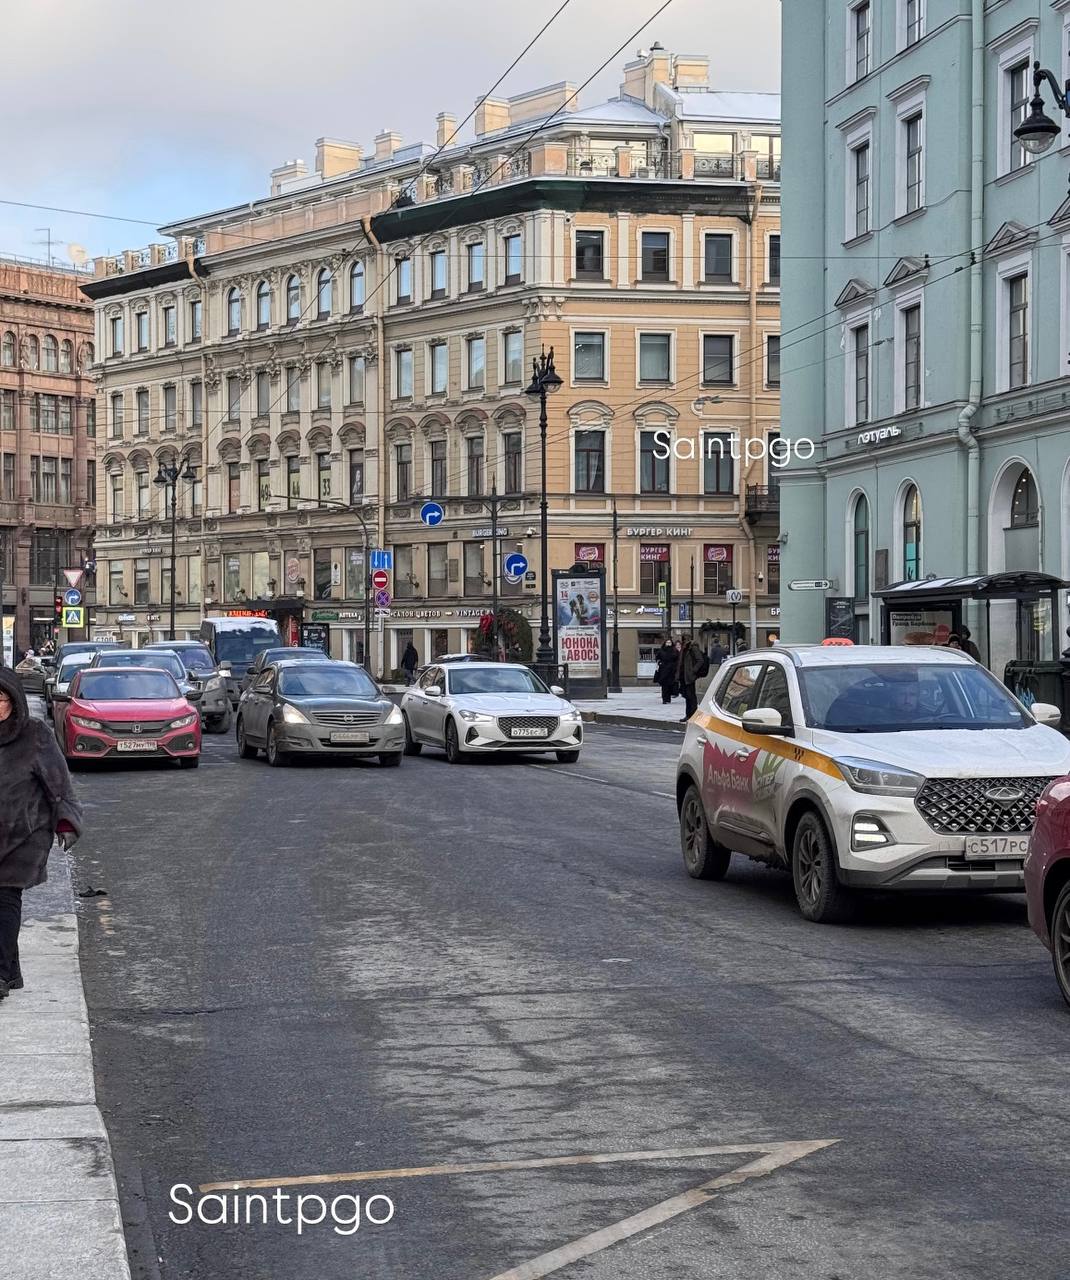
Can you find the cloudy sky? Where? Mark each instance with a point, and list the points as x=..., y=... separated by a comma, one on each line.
x=153, y=112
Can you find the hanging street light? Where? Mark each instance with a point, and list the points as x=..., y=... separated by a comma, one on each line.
x=1038, y=131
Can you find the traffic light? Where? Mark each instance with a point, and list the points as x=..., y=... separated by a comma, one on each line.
x=57, y=600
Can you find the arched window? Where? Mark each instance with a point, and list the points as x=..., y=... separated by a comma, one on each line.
x=356, y=286
x=33, y=353
x=233, y=312
x=1025, y=505
x=323, y=294
x=293, y=300
x=263, y=305
x=911, y=534
x=66, y=356
x=7, y=351
x=860, y=541
x=51, y=354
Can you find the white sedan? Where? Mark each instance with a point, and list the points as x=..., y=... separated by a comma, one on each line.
x=472, y=708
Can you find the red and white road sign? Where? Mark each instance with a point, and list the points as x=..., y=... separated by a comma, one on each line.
x=380, y=579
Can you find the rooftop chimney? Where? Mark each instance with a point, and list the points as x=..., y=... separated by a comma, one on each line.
x=334, y=157
x=386, y=143
x=288, y=172
x=491, y=114
x=446, y=126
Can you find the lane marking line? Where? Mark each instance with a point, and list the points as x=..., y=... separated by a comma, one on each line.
x=603, y=782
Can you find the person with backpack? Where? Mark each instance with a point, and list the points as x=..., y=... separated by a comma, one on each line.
x=667, y=660
x=694, y=665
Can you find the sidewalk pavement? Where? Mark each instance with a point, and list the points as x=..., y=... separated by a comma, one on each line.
x=640, y=708
x=59, y=1208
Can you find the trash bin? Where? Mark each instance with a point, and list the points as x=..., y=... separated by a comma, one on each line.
x=1041, y=682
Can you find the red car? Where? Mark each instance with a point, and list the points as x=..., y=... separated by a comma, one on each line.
x=1047, y=877
x=128, y=712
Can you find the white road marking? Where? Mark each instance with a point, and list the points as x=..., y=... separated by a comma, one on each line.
x=588, y=777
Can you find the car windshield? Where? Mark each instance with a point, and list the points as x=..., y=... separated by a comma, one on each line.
x=162, y=661
x=314, y=681
x=277, y=655
x=198, y=659
x=241, y=645
x=138, y=684
x=895, y=698
x=70, y=665
x=495, y=680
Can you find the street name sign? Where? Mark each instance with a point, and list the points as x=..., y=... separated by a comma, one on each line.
x=809, y=584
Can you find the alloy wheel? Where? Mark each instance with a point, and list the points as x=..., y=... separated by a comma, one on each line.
x=810, y=871
x=1060, y=942
x=694, y=822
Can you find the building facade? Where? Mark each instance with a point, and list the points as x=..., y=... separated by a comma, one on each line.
x=359, y=342
x=47, y=443
x=926, y=282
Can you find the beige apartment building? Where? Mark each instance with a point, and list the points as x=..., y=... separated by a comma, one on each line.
x=359, y=341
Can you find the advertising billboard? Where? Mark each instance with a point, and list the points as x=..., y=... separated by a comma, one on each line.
x=580, y=624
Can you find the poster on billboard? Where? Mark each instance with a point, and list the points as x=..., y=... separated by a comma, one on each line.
x=920, y=626
x=580, y=624
x=9, y=640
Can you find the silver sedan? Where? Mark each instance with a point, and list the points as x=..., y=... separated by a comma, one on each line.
x=473, y=708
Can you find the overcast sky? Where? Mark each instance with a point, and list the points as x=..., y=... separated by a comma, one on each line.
x=141, y=110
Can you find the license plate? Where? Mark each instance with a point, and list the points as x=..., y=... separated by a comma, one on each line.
x=521, y=732
x=137, y=744
x=997, y=846
x=351, y=736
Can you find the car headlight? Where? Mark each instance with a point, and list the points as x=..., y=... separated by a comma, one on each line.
x=474, y=715
x=571, y=715
x=291, y=715
x=86, y=724
x=182, y=721
x=394, y=716
x=879, y=779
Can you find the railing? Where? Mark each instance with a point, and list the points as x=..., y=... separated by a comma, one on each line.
x=604, y=164
x=769, y=169
x=762, y=500
x=716, y=165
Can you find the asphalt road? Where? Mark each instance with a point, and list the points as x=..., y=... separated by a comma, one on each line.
x=334, y=969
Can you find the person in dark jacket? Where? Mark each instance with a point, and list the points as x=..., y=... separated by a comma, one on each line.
x=37, y=803
x=410, y=660
x=968, y=645
x=693, y=666
x=666, y=659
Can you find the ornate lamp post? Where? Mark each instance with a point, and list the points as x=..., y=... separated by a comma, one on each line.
x=1038, y=131
x=544, y=381
x=167, y=477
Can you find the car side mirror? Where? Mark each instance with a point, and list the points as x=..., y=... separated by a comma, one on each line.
x=556, y=688
x=1046, y=713
x=61, y=697
x=765, y=720
x=226, y=668
x=194, y=695
x=433, y=691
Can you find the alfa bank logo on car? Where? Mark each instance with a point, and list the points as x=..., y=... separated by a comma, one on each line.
x=725, y=771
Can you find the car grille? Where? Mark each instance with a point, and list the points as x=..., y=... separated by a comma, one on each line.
x=961, y=804
x=347, y=719
x=126, y=729
x=508, y=723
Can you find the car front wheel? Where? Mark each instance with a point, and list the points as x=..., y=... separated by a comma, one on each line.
x=704, y=858
x=453, y=744
x=189, y=762
x=567, y=757
x=220, y=724
x=1060, y=941
x=275, y=756
x=412, y=747
x=821, y=897
x=245, y=748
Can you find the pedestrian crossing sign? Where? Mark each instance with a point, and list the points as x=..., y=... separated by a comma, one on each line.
x=73, y=617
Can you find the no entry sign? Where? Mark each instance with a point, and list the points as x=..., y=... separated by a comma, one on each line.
x=380, y=579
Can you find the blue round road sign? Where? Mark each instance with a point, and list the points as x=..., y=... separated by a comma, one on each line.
x=431, y=513
x=516, y=565
x=72, y=598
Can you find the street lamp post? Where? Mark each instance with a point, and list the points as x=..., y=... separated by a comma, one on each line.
x=167, y=478
x=614, y=682
x=1038, y=131
x=544, y=381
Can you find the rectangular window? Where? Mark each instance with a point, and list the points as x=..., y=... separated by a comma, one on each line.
x=1019, y=91
x=404, y=578
x=655, y=255
x=354, y=585
x=915, y=19
x=116, y=335
x=718, y=351
x=860, y=23
x=718, y=464
x=403, y=373
x=323, y=476
x=91, y=419
x=512, y=247
x=263, y=393
x=117, y=503
x=141, y=494
x=439, y=368
x=439, y=480
x=263, y=484
x=860, y=350
x=193, y=570
x=233, y=488
x=718, y=259
x=66, y=415
x=231, y=577
x=772, y=360
x=49, y=415
x=65, y=481
x=590, y=462
x=293, y=389
x=323, y=386
x=653, y=465
x=233, y=399
x=143, y=412
x=116, y=590
x=169, y=327
x=1018, y=330
x=774, y=260
x=588, y=358
x=141, y=330
x=474, y=461
x=653, y=567
x=403, y=274
x=473, y=569
x=437, y=569
x=356, y=476
x=476, y=267
x=356, y=379
x=512, y=448
x=195, y=320
x=7, y=410
x=513, y=353
x=170, y=408
x=476, y=349
x=912, y=357
x=293, y=482
x=654, y=355
x=716, y=568
x=50, y=480
x=35, y=478
x=91, y=482
x=9, y=477
x=403, y=472
x=439, y=275
x=861, y=180
x=590, y=255
x=35, y=412
x=322, y=573
x=196, y=404
x=915, y=163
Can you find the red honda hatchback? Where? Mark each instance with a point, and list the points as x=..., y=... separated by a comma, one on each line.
x=1047, y=877
x=128, y=712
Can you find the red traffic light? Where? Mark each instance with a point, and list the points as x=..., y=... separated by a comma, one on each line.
x=58, y=600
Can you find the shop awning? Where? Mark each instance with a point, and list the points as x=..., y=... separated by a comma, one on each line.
x=1024, y=585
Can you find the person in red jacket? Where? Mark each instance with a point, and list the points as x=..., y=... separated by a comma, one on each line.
x=37, y=805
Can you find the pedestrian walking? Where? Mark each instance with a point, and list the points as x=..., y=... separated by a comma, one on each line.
x=968, y=645
x=694, y=664
x=667, y=660
x=37, y=803
x=410, y=660
x=717, y=654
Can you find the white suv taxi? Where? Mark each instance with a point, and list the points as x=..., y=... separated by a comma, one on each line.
x=865, y=767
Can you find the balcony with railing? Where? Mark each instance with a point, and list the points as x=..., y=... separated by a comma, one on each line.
x=762, y=502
